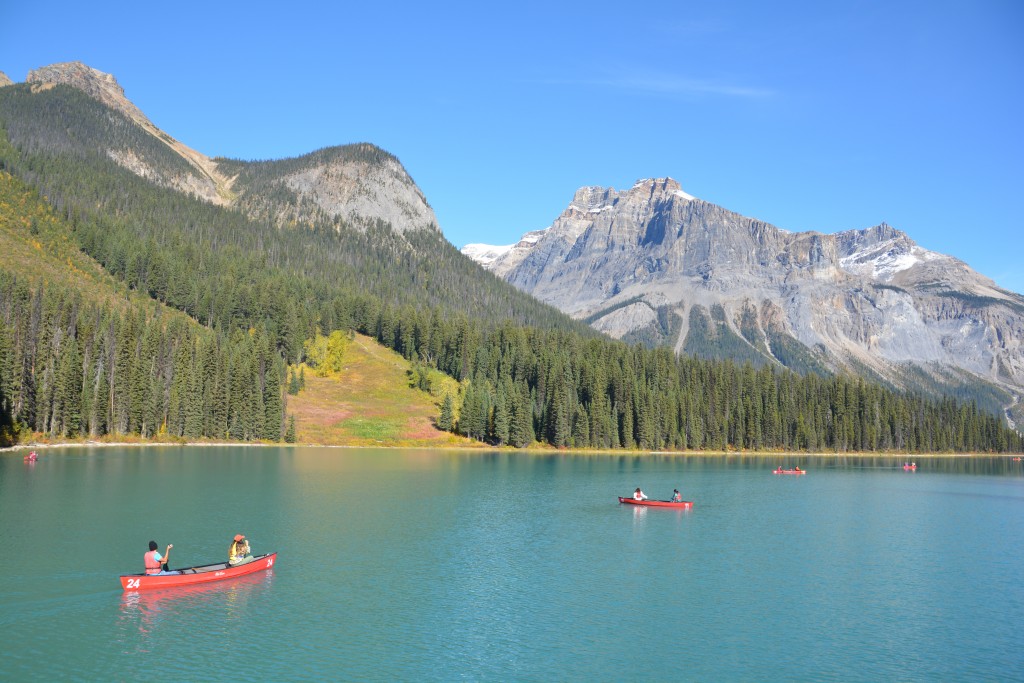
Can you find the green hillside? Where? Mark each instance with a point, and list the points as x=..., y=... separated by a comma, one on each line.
x=369, y=402
x=81, y=356
x=219, y=266
x=113, y=358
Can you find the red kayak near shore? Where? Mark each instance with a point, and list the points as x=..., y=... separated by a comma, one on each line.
x=782, y=471
x=193, y=575
x=681, y=505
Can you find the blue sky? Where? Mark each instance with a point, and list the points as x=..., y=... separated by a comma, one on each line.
x=808, y=115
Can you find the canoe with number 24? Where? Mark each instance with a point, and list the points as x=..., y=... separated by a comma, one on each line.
x=681, y=505
x=193, y=575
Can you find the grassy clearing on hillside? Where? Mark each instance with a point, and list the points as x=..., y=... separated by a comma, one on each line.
x=369, y=403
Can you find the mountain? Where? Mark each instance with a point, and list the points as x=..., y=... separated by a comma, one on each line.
x=306, y=238
x=258, y=260
x=185, y=169
x=358, y=183
x=656, y=264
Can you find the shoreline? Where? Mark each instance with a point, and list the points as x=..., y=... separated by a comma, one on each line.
x=490, y=449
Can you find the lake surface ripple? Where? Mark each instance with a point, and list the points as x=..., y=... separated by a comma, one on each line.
x=434, y=565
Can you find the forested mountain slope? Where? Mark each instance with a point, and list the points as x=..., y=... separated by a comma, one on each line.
x=275, y=258
x=221, y=266
x=82, y=355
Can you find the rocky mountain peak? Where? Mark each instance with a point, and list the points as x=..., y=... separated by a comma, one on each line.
x=659, y=188
x=592, y=198
x=205, y=182
x=94, y=83
x=359, y=183
x=654, y=263
x=645, y=193
x=4, y=80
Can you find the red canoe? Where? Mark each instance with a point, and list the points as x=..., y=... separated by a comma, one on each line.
x=910, y=467
x=193, y=575
x=682, y=505
x=782, y=471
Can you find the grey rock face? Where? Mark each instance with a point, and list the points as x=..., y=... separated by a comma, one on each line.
x=359, y=192
x=359, y=189
x=866, y=298
x=4, y=80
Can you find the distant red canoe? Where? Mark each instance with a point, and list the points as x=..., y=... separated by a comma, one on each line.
x=193, y=575
x=782, y=471
x=681, y=505
x=910, y=467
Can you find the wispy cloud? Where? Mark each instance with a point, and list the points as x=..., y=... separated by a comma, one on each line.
x=668, y=85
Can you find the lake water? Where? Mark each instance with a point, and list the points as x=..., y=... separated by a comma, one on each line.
x=430, y=565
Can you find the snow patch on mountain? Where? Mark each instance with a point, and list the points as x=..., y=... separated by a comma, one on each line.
x=486, y=254
x=882, y=261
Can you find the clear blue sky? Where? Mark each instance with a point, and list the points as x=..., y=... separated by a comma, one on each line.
x=809, y=115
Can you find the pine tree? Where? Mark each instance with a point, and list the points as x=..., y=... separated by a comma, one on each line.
x=446, y=420
x=502, y=414
x=272, y=403
x=522, y=433
x=69, y=390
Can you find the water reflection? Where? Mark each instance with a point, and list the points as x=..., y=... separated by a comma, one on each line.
x=639, y=514
x=143, y=613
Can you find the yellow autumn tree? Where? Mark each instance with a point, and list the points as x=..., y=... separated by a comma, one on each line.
x=326, y=355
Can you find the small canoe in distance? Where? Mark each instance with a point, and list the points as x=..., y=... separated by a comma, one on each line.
x=193, y=575
x=782, y=471
x=681, y=505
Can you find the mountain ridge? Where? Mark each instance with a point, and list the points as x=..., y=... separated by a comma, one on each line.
x=358, y=189
x=525, y=371
x=871, y=298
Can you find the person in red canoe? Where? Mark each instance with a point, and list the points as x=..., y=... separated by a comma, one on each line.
x=156, y=564
x=639, y=495
x=676, y=496
x=238, y=552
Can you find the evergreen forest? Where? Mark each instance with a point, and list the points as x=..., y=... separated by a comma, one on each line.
x=194, y=313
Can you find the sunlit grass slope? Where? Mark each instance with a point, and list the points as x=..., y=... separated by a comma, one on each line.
x=38, y=247
x=369, y=403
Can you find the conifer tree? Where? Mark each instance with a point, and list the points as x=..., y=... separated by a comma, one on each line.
x=273, y=407
x=502, y=413
x=446, y=420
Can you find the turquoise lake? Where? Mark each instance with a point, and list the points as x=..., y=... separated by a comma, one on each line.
x=404, y=565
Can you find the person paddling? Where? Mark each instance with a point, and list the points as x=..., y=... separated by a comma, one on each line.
x=155, y=563
x=676, y=496
x=639, y=495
